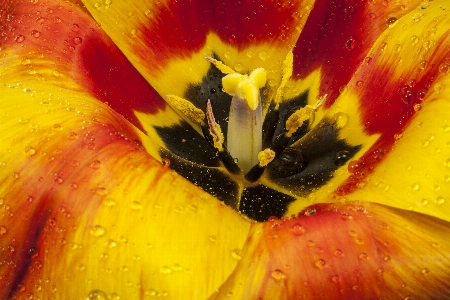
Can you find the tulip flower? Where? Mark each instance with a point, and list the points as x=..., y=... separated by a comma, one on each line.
x=224, y=149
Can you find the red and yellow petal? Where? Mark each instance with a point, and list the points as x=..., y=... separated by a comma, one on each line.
x=168, y=40
x=395, y=106
x=85, y=209
x=353, y=251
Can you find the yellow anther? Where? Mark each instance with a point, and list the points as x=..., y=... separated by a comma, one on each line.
x=297, y=119
x=187, y=108
x=245, y=87
x=220, y=65
x=265, y=157
x=288, y=66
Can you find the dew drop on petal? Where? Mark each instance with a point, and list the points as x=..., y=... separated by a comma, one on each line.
x=35, y=33
x=30, y=151
x=425, y=271
x=98, y=231
x=440, y=200
x=236, y=254
x=20, y=38
x=2, y=230
x=362, y=256
x=95, y=164
x=351, y=43
x=136, y=205
x=97, y=295
x=297, y=229
x=278, y=275
x=335, y=279
x=77, y=40
x=165, y=270
x=320, y=263
x=341, y=157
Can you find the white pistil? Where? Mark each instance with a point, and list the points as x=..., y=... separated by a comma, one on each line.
x=244, y=137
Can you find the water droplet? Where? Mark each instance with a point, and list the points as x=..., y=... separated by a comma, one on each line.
x=97, y=5
x=424, y=202
x=278, y=275
x=238, y=67
x=290, y=162
x=35, y=33
x=425, y=271
x=111, y=244
x=335, y=279
x=440, y=200
x=391, y=22
x=227, y=54
x=338, y=253
x=20, y=38
x=133, y=31
x=355, y=287
x=2, y=230
x=98, y=231
x=340, y=119
x=447, y=163
x=351, y=43
x=77, y=40
x=102, y=191
x=30, y=151
x=320, y=263
x=362, y=256
x=97, y=295
x=387, y=258
x=263, y=55
x=165, y=270
x=108, y=2
x=341, y=157
x=166, y=162
x=236, y=254
x=343, y=89
x=95, y=164
x=297, y=229
x=372, y=16
x=135, y=205
x=213, y=238
x=415, y=187
x=57, y=127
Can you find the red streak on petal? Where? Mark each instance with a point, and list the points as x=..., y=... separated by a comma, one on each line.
x=66, y=36
x=337, y=37
x=181, y=26
x=111, y=78
x=387, y=107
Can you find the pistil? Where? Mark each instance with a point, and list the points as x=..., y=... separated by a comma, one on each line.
x=244, y=137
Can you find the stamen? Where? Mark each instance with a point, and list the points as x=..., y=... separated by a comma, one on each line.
x=220, y=65
x=288, y=66
x=297, y=119
x=214, y=128
x=265, y=157
x=187, y=108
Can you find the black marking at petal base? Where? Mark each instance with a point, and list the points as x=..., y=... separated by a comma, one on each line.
x=260, y=202
x=284, y=113
x=211, y=88
x=319, y=149
x=211, y=180
x=183, y=141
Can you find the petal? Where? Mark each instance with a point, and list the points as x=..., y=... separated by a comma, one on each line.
x=169, y=39
x=390, y=108
x=85, y=209
x=337, y=37
x=344, y=252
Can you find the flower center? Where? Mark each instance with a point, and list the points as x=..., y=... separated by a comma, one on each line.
x=258, y=155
